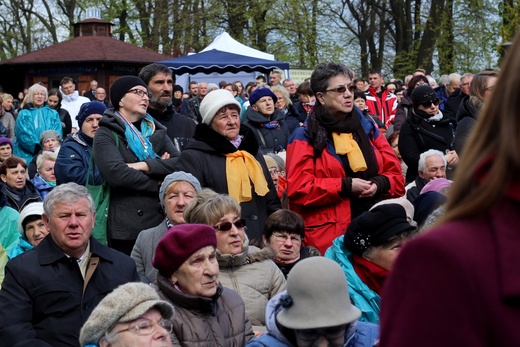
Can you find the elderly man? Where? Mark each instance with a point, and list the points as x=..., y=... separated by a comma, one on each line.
x=160, y=83
x=91, y=93
x=291, y=88
x=72, y=101
x=432, y=165
x=455, y=99
x=267, y=122
x=275, y=78
x=101, y=96
x=132, y=315
x=49, y=292
x=443, y=92
x=193, y=104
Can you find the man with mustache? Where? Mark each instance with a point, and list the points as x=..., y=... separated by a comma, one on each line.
x=160, y=82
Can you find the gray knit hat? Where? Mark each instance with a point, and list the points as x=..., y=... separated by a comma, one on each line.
x=175, y=177
x=49, y=134
x=317, y=296
x=126, y=303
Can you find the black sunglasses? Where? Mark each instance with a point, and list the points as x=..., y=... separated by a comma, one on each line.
x=343, y=89
x=427, y=104
x=226, y=226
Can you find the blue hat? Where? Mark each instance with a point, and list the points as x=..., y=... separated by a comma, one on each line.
x=260, y=93
x=90, y=108
x=4, y=140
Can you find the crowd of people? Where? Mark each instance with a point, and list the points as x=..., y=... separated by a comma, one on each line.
x=335, y=212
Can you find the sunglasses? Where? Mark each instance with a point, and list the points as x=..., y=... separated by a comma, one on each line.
x=226, y=226
x=343, y=89
x=427, y=104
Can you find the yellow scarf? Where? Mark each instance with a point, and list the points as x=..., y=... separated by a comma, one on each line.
x=240, y=167
x=345, y=144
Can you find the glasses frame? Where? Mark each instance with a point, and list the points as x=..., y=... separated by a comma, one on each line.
x=283, y=237
x=226, y=226
x=139, y=331
x=435, y=102
x=140, y=92
x=342, y=89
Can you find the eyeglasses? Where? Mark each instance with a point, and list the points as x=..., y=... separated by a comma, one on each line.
x=226, y=226
x=147, y=327
x=421, y=83
x=274, y=171
x=140, y=93
x=342, y=89
x=464, y=84
x=427, y=104
x=282, y=237
x=489, y=88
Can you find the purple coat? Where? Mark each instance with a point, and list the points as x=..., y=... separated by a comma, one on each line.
x=457, y=285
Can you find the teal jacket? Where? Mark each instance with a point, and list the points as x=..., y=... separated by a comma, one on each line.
x=8, y=232
x=22, y=246
x=30, y=123
x=364, y=298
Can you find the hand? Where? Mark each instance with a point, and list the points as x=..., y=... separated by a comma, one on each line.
x=166, y=155
x=368, y=193
x=452, y=158
x=359, y=186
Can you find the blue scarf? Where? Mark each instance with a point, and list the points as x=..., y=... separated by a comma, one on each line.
x=270, y=125
x=139, y=141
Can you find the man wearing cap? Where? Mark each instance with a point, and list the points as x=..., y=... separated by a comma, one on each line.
x=72, y=101
x=177, y=190
x=160, y=83
x=49, y=292
x=315, y=310
x=367, y=252
x=74, y=162
x=6, y=149
x=266, y=121
x=132, y=315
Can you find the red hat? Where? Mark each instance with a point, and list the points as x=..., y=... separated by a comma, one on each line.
x=179, y=243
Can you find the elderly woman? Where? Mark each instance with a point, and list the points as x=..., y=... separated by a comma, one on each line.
x=224, y=156
x=31, y=228
x=340, y=164
x=75, y=162
x=426, y=128
x=15, y=185
x=131, y=315
x=246, y=269
x=6, y=114
x=284, y=232
x=480, y=91
x=45, y=180
x=206, y=313
x=133, y=153
x=34, y=118
x=315, y=311
x=293, y=118
x=368, y=250
x=50, y=141
x=6, y=149
x=177, y=190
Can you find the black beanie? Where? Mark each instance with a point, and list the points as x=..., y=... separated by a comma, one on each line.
x=422, y=94
x=376, y=227
x=121, y=86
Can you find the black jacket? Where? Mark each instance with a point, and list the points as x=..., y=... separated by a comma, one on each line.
x=30, y=194
x=42, y=301
x=179, y=128
x=269, y=140
x=467, y=118
x=204, y=158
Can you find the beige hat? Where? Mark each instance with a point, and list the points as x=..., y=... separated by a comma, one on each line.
x=318, y=296
x=270, y=162
x=214, y=101
x=126, y=303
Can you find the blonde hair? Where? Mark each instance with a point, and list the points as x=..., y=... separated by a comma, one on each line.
x=209, y=207
x=285, y=93
x=46, y=155
x=30, y=94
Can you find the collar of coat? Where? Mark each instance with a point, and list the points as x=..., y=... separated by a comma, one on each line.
x=49, y=252
x=250, y=255
x=220, y=144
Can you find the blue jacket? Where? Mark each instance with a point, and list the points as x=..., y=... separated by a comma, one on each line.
x=358, y=334
x=30, y=123
x=22, y=246
x=41, y=186
x=364, y=298
x=73, y=162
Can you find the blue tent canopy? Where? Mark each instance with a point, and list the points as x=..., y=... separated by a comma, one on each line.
x=220, y=62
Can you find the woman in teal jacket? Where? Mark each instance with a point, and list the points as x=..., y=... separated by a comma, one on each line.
x=35, y=118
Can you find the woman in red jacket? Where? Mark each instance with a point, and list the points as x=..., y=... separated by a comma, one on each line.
x=340, y=164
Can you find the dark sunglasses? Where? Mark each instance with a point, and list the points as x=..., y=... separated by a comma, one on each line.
x=226, y=226
x=427, y=104
x=343, y=89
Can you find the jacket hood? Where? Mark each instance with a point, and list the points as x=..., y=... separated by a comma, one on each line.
x=208, y=140
x=466, y=110
x=251, y=254
x=256, y=118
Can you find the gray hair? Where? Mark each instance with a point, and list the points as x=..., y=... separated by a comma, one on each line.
x=32, y=90
x=149, y=71
x=284, y=91
x=278, y=160
x=426, y=155
x=67, y=193
x=209, y=207
x=453, y=77
x=466, y=75
x=324, y=72
x=46, y=155
x=444, y=80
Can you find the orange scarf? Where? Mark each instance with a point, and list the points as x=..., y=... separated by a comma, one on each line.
x=344, y=143
x=241, y=167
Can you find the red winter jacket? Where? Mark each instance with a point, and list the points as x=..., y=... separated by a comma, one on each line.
x=384, y=107
x=314, y=184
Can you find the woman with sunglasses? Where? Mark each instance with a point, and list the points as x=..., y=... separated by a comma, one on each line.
x=133, y=154
x=405, y=106
x=244, y=268
x=426, y=128
x=340, y=164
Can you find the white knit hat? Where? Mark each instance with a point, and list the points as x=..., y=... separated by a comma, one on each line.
x=214, y=101
x=33, y=209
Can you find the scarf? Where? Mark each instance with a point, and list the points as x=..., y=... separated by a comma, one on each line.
x=428, y=117
x=240, y=168
x=270, y=125
x=139, y=141
x=370, y=273
x=345, y=144
x=321, y=125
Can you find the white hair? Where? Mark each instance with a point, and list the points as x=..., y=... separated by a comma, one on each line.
x=426, y=155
